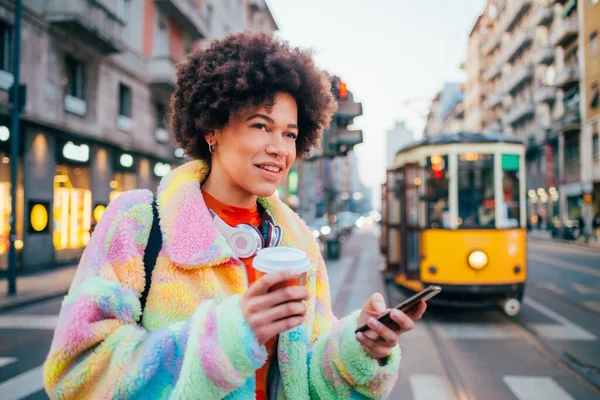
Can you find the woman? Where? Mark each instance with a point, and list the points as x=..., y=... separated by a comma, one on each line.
x=243, y=109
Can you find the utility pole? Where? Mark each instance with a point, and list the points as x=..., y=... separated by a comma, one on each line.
x=14, y=153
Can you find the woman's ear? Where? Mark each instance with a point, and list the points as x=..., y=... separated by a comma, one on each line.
x=209, y=137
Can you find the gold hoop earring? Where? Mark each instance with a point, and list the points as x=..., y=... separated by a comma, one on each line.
x=211, y=148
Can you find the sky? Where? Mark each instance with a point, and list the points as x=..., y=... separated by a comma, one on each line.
x=393, y=54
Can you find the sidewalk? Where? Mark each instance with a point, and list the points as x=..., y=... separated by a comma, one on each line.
x=546, y=236
x=37, y=287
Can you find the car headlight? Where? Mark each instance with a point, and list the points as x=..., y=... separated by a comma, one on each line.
x=477, y=259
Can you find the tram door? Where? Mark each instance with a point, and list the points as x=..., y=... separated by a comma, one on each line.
x=393, y=219
x=410, y=231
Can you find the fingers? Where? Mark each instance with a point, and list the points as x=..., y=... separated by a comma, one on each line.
x=285, y=310
x=262, y=285
x=269, y=330
x=372, y=347
x=386, y=335
x=284, y=295
x=404, y=322
x=417, y=312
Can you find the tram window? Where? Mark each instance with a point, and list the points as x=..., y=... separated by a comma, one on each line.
x=510, y=186
x=437, y=192
x=476, y=205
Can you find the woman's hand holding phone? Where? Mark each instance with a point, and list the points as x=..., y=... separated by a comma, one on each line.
x=380, y=339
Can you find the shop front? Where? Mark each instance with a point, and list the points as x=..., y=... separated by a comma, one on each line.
x=125, y=176
x=6, y=197
x=72, y=206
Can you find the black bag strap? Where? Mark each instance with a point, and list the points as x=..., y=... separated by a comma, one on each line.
x=151, y=252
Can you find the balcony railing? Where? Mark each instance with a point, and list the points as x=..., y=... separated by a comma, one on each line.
x=565, y=33
x=494, y=100
x=520, y=111
x=545, y=94
x=494, y=71
x=519, y=9
x=543, y=16
x=519, y=76
x=162, y=73
x=544, y=55
x=520, y=41
x=188, y=14
x=89, y=21
x=493, y=43
x=572, y=171
x=567, y=77
x=570, y=122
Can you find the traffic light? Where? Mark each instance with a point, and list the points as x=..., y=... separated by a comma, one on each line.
x=342, y=139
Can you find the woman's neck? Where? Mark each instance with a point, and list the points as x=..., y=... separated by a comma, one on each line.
x=220, y=186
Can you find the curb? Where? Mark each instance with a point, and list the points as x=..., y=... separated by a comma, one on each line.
x=31, y=301
x=569, y=243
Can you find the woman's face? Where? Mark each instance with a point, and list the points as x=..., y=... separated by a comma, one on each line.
x=255, y=150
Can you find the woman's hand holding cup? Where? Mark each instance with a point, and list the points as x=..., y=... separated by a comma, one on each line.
x=270, y=312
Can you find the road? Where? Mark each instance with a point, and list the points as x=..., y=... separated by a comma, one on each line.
x=550, y=351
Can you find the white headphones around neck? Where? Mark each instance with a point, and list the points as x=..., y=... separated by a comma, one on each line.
x=244, y=239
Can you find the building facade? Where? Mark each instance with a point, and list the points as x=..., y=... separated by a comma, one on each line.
x=397, y=137
x=536, y=79
x=98, y=77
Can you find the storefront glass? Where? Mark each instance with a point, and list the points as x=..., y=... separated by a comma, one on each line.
x=72, y=207
x=5, y=208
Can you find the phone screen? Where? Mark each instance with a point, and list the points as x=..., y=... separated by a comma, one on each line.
x=405, y=306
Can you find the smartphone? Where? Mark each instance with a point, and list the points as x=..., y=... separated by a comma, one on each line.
x=405, y=306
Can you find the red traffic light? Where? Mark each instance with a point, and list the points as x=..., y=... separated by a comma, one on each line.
x=340, y=88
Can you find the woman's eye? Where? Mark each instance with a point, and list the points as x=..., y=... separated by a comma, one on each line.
x=260, y=126
x=292, y=135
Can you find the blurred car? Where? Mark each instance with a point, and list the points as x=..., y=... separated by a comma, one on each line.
x=347, y=222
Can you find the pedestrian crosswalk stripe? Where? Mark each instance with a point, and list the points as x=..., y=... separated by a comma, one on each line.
x=28, y=321
x=23, y=385
x=564, y=330
x=536, y=388
x=477, y=331
x=430, y=387
x=6, y=361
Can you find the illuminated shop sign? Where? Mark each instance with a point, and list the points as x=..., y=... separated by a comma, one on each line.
x=74, y=152
x=126, y=160
x=38, y=217
x=161, y=169
x=4, y=133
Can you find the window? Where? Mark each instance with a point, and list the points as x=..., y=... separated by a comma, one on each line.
x=476, y=205
x=437, y=192
x=5, y=47
x=162, y=43
x=594, y=94
x=510, y=210
x=125, y=15
x=76, y=78
x=161, y=116
x=593, y=45
x=596, y=146
x=124, y=100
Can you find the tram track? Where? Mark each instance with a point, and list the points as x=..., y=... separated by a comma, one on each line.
x=588, y=373
x=455, y=378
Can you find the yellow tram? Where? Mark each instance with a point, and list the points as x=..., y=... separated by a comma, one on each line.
x=453, y=213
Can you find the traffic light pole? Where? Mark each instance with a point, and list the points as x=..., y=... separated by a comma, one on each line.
x=14, y=153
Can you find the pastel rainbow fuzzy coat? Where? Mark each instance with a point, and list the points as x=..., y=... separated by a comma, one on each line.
x=192, y=341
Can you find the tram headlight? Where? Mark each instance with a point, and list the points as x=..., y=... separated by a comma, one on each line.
x=477, y=259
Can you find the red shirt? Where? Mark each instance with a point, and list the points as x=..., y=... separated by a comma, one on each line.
x=234, y=216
